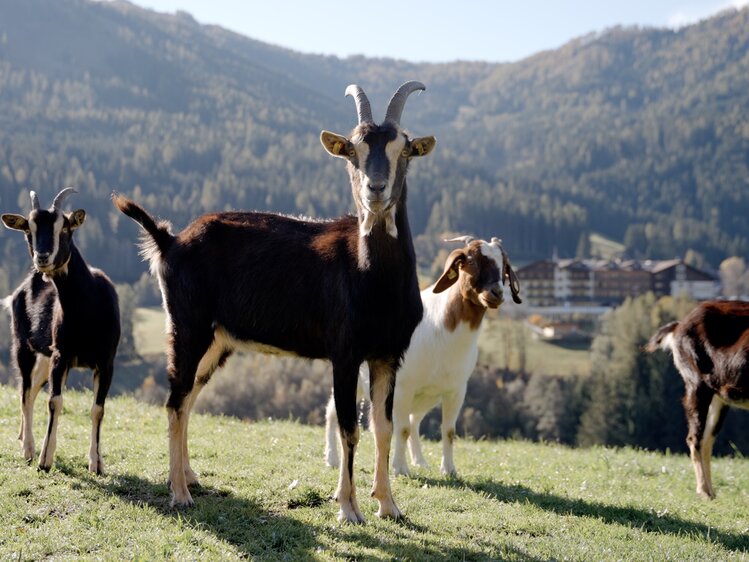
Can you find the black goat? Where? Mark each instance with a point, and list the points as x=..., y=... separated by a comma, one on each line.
x=343, y=289
x=64, y=314
x=711, y=352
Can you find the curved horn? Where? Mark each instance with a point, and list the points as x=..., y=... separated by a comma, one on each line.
x=34, y=201
x=465, y=239
x=60, y=199
x=395, y=107
x=363, y=109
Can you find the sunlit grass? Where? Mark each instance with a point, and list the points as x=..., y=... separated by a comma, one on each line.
x=265, y=493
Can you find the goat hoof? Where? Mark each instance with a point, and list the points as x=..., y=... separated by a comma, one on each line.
x=350, y=516
x=97, y=467
x=390, y=512
x=400, y=470
x=41, y=468
x=182, y=504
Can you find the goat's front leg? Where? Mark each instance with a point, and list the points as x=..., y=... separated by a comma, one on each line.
x=34, y=373
x=344, y=392
x=382, y=388
x=696, y=406
x=58, y=373
x=102, y=382
x=451, y=404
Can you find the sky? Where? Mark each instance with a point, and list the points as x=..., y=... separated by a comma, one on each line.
x=435, y=30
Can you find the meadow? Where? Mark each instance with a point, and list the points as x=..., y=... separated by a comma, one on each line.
x=500, y=345
x=265, y=495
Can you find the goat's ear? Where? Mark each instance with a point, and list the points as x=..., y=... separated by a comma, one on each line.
x=336, y=145
x=452, y=270
x=422, y=146
x=15, y=222
x=76, y=218
x=514, y=282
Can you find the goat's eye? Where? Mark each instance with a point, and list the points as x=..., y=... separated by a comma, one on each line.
x=405, y=152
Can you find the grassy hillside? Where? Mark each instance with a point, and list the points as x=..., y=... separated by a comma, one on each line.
x=265, y=497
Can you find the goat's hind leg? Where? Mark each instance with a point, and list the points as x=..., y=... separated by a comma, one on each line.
x=331, y=435
x=450, y=409
x=716, y=415
x=696, y=406
x=214, y=358
x=344, y=392
x=184, y=359
x=382, y=388
x=102, y=382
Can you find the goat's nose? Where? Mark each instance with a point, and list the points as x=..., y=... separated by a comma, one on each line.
x=42, y=257
x=497, y=293
x=377, y=186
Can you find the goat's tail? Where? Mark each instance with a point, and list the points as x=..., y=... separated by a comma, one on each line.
x=662, y=338
x=158, y=237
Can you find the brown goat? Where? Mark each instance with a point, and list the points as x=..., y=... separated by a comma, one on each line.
x=711, y=352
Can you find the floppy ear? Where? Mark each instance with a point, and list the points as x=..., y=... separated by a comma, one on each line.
x=336, y=145
x=422, y=146
x=514, y=282
x=15, y=222
x=452, y=270
x=76, y=218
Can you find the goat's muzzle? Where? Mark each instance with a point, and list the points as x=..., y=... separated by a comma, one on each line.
x=42, y=262
x=492, y=297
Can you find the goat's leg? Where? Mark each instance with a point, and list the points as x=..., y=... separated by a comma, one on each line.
x=344, y=392
x=214, y=358
x=696, y=405
x=715, y=416
x=382, y=388
x=419, y=409
x=58, y=373
x=331, y=434
x=451, y=404
x=34, y=371
x=402, y=405
x=414, y=440
x=184, y=358
x=102, y=382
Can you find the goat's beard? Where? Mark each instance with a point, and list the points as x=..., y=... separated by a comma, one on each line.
x=369, y=218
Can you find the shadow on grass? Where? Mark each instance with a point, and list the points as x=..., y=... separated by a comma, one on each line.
x=241, y=522
x=633, y=517
x=262, y=534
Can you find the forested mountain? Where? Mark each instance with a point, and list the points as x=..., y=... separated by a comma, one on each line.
x=639, y=134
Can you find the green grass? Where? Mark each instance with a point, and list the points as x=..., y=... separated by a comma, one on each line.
x=501, y=339
x=605, y=247
x=148, y=331
x=265, y=493
x=497, y=341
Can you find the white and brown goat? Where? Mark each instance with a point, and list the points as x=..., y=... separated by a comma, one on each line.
x=343, y=289
x=63, y=315
x=710, y=348
x=443, y=350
